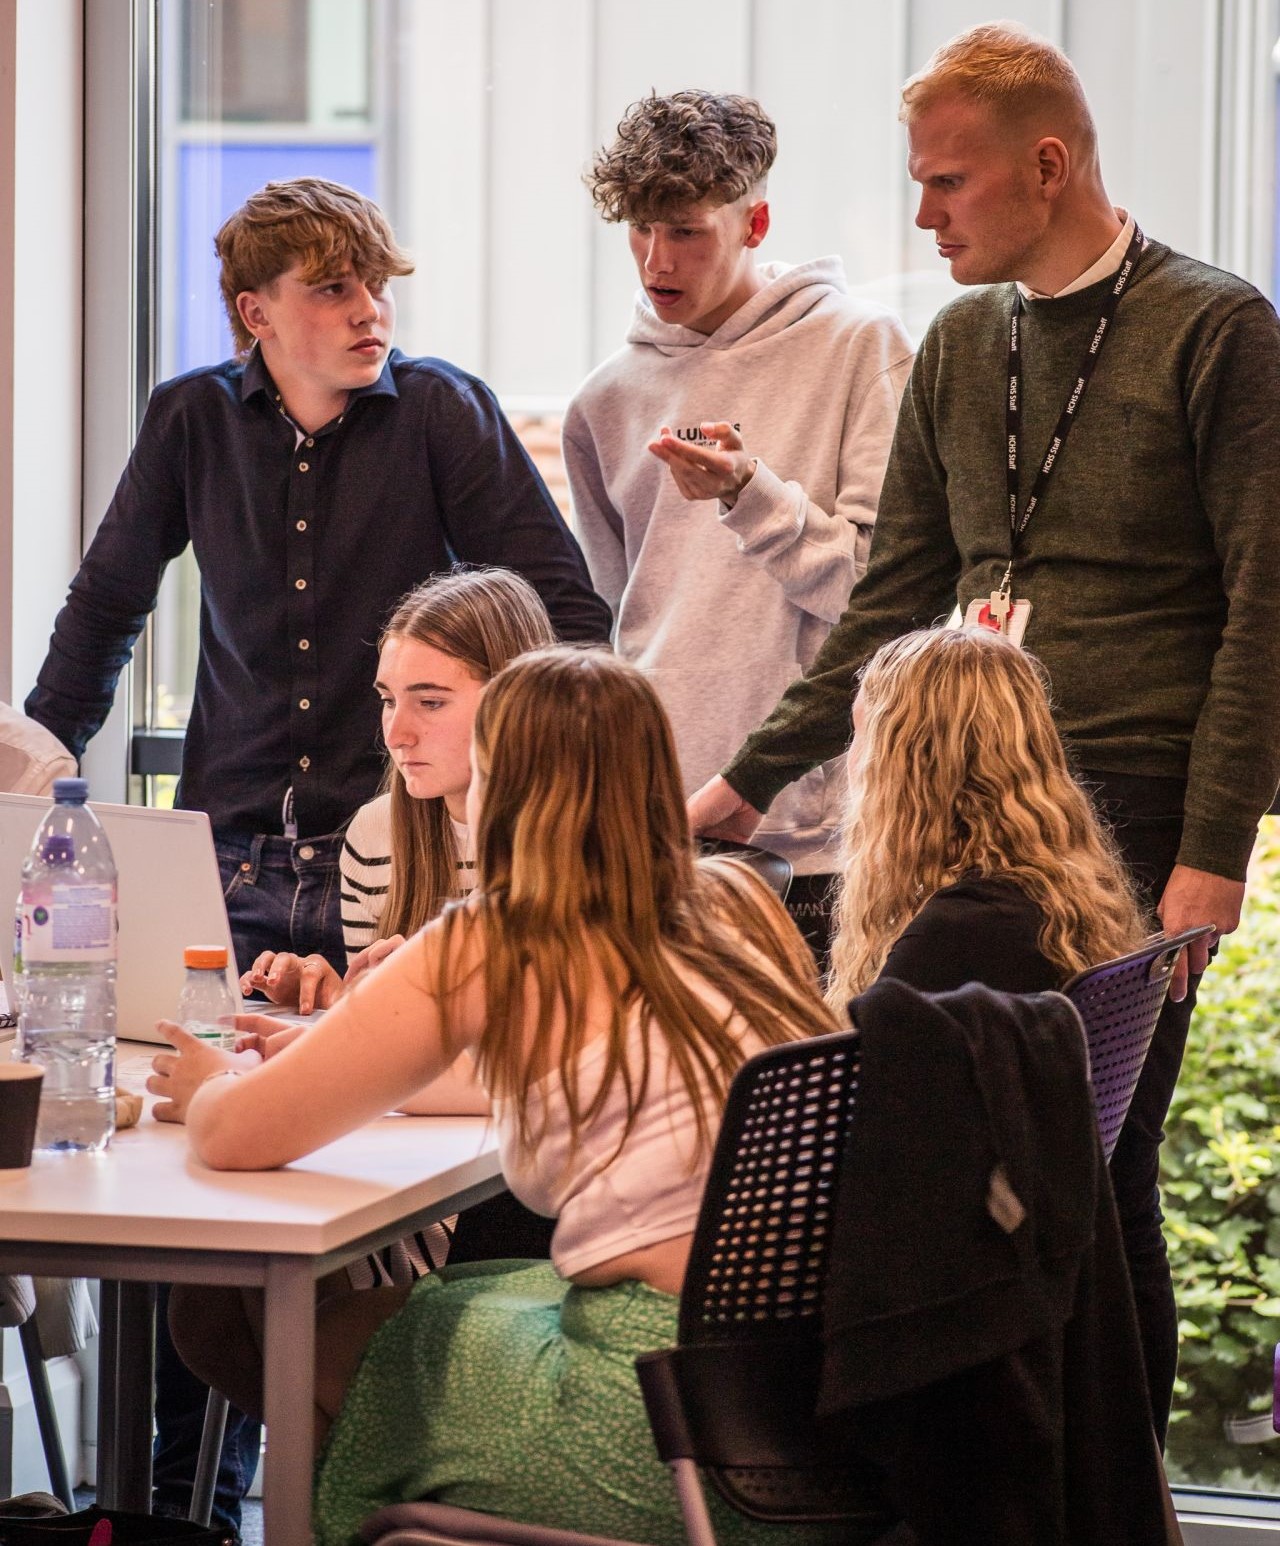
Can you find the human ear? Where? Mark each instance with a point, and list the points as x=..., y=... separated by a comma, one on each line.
x=758, y=223
x=1053, y=166
x=253, y=313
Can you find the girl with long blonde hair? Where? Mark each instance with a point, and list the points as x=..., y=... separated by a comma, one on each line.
x=607, y=987
x=969, y=851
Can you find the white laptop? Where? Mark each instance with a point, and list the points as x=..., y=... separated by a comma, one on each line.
x=170, y=897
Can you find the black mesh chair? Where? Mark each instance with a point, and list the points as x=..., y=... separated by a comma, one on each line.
x=1120, y=1002
x=735, y=1398
x=772, y=868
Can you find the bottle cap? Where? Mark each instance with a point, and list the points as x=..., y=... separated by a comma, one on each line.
x=70, y=791
x=209, y=957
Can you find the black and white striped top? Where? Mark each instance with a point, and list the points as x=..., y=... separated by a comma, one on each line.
x=365, y=863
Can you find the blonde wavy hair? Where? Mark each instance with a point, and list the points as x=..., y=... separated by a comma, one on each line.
x=588, y=892
x=481, y=618
x=959, y=771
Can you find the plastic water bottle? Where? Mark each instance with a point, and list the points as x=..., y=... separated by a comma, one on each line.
x=65, y=972
x=207, y=1007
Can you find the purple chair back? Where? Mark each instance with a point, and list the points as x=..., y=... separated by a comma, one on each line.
x=1275, y=1389
x=1120, y=1002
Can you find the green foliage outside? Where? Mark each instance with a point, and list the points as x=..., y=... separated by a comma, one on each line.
x=1222, y=1199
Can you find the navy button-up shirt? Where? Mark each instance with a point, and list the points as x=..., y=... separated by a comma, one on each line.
x=304, y=547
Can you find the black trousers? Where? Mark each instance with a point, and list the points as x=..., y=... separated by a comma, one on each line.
x=1146, y=816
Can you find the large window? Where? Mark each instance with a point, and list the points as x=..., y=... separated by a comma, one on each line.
x=471, y=122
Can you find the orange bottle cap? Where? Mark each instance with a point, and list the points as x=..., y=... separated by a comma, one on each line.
x=211, y=957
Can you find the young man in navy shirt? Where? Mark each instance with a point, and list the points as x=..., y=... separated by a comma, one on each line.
x=318, y=475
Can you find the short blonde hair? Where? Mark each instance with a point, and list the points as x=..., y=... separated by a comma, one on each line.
x=309, y=220
x=1011, y=72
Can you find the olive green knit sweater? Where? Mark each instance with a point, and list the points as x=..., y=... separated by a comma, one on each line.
x=1152, y=564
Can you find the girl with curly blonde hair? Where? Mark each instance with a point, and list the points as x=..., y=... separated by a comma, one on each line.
x=969, y=851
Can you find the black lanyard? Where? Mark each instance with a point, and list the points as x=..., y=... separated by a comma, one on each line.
x=1013, y=402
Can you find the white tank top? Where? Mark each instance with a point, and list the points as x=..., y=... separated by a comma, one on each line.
x=651, y=1190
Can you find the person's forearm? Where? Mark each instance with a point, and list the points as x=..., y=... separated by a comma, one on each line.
x=76, y=685
x=456, y=1093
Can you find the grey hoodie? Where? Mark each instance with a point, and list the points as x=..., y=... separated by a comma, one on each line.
x=724, y=607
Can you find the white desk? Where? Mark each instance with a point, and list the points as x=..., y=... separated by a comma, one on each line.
x=146, y=1212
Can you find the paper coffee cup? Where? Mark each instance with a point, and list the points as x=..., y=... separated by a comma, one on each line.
x=19, y=1106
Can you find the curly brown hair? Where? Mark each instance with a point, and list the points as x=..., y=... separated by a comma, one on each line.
x=322, y=225
x=676, y=151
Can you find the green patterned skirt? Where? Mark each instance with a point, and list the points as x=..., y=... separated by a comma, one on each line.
x=503, y=1388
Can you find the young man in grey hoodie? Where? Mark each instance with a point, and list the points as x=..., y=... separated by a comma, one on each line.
x=725, y=464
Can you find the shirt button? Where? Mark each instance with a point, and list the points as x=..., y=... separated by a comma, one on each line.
x=304, y=644
x=299, y=585
x=304, y=466
x=304, y=763
x=302, y=526
x=310, y=442
x=304, y=703
x=306, y=852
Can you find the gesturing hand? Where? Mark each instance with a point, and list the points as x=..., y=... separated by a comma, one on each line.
x=177, y=1075
x=1193, y=897
x=702, y=472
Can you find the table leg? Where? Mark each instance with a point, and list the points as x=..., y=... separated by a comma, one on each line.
x=135, y=1374
x=108, y=1364
x=289, y=1398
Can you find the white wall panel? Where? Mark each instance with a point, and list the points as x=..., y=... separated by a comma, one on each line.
x=838, y=184
x=662, y=46
x=539, y=213
x=444, y=97
x=42, y=319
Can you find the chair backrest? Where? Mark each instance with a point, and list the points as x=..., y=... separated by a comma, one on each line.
x=760, y=1251
x=1120, y=1002
x=738, y=1394
x=772, y=868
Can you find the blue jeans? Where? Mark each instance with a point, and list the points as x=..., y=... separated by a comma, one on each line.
x=281, y=894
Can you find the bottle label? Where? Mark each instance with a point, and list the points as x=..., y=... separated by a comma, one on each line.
x=78, y=925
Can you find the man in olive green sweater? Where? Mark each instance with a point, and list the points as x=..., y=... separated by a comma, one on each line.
x=1151, y=554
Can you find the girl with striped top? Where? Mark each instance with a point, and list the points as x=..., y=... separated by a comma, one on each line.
x=408, y=851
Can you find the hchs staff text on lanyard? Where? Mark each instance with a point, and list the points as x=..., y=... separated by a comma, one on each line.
x=1001, y=613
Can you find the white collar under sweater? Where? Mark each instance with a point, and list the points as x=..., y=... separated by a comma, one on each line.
x=1108, y=263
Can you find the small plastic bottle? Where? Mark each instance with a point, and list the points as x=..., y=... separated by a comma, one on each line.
x=207, y=1007
x=65, y=972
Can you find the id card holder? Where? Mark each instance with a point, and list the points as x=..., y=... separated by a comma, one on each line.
x=978, y=614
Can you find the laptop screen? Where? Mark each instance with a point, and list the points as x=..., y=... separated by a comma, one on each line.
x=170, y=897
